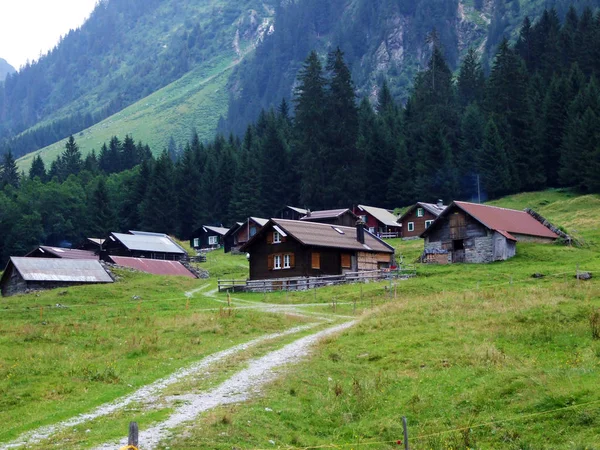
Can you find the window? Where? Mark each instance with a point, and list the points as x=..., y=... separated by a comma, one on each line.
x=286, y=261
x=427, y=223
x=213, y=240
x=411, y=226
x=252, y=231
x=363, y=218
x=316, y=260
x=276, y=262
x=346, y=261
x=276, y=237
x=196, y=242
x=419, y=212
x=372, y=230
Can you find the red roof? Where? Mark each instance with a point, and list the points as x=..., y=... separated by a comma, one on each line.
x=154, y=266
x=65, y=253
x=506, y=220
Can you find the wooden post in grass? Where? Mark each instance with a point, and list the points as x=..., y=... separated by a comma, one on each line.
x=228, y=299
x=354, y=309
x=133, y=434
x=361, y=294
x=405, y=431
x=315, y=292
x=41, y=313
x=577, y=275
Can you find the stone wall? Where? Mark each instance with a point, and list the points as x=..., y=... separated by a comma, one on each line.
x=479, y=249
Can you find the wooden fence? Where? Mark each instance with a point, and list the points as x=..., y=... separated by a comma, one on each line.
x=304, y=283
x=389, y=235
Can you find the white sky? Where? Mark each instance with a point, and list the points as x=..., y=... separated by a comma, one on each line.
x=31, y=27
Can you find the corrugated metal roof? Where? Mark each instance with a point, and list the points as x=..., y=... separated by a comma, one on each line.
x=154, y=266
x=259, y=221
x=219, y=230
x=298, y=210
x=382, y=215
x=507, y=220
x=149, y=243
x=325, y=235
x=433, y=208
x=97, y=241
x=66, y=253
x=325, y=214
x=63, y=270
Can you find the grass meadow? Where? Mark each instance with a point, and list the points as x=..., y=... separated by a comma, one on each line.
x=475, y=356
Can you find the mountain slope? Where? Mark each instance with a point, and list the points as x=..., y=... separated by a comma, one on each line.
x=5, y=69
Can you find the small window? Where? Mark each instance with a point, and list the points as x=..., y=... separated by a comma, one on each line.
x=213, y=240
x=419, y=212
x=277, y=262
x=427, y=223
x=411, y=226
x=276, y=237
x=364, y=218
x=286, y=261
x=196, y=242
x=346, y=261
x=252, y=231
x=372, y=230
x=316, y=260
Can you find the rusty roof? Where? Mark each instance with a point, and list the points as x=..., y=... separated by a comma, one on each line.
x=61, y=270
x=154, y=266
x=155, y=242
x=382, y=215
x=505, y=221
x=325, y=214
x=65, y=253
x=324, y=235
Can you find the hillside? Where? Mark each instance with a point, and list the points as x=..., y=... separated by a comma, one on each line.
x=152, y=46
x=476, y=356
x=5, y=69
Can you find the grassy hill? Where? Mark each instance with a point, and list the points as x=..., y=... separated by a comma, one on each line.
x=476, y=356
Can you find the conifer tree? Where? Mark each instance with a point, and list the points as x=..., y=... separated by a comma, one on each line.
x=37, y=169
x=101, y=214
x=158, y=209
x=9, y=173
x=471, y=81
x=493, y=162
x=71, y=162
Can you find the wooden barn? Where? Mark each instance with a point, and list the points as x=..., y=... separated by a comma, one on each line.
x=474, y=233
x=242, y=232
x=208, y=237
x=379, y=221
x=26, y=274
x=296, y=248
x=341, y=217
x=291, y=213
x=142, y=245
x=419, y=217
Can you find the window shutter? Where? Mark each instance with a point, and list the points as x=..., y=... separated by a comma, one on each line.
x=346, y=261
x=269, y=238
x=316, y=260
x=271, y=263
x=292, y=261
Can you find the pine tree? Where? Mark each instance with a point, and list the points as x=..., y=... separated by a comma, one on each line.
x=71, y=159
x=472, y=128
x=9, y=173
x=493, y=162
x=101, y=213
x=37, y=169
x=158, y=209
x=471, y=81
x=188, y=192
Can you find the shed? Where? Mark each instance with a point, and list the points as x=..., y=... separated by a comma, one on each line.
x=379, y=221
x=475, y=233
x=146, y=245
x=208, y=237
x=23, y=274
x=296, y=248
x=242, y=232
x=342, y=217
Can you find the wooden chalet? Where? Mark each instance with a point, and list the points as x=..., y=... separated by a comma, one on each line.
x=32, y=274
x=296, y=248
x=63, y=253
x=340, y=217
x=242, y=232
x=379, y=221
x=474, y=233
x=91, y=244
x=419, y=217
x=208, y=237
x=291, y=213
x=142, y=245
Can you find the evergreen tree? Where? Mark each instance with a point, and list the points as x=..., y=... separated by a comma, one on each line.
x=158, y=209
x=188, y=192
x=71, y=159
x=9, y=174
x=101, y=213
x=471, y=81
x=37, y=169
x=493, y=162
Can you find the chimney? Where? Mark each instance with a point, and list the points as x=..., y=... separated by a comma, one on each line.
x=440, y=203
x=360, y=231
x=308, y=213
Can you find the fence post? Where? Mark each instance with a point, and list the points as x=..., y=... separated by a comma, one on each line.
x=133, y=434
x=405, y=430
x=577, y=275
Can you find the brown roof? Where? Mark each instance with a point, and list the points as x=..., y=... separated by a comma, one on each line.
x=324, y=235
x=65, y=253
x=153, y=266
x=505, y=221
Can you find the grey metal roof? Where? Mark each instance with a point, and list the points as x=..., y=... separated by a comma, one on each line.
x=67, y=270
x=259, y=221
x=298, y=210
x=219, y=230
x=382, y=215
x=325, y=214
x=149, y=242
x=433, y=208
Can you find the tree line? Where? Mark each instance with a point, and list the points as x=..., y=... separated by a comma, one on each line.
x=532, y=123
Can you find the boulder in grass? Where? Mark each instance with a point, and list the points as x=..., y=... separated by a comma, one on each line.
x=584, y=276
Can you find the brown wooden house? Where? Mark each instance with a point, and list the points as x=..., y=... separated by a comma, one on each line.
x=341, y=217
x=419, y=217
x=242, y=232
x=295, y=248
x=208, y=237
x=474, y=233
x=291, y=213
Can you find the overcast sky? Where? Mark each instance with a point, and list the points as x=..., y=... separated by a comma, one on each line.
x=31, y=27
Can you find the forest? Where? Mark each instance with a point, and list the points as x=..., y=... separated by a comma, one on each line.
x=532, y=123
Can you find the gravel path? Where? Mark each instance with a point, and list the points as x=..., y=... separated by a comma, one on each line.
x=142, y=394
x=238, y=388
